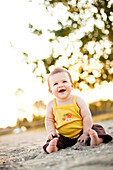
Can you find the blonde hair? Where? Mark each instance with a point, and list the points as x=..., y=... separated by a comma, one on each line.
x=59, y=70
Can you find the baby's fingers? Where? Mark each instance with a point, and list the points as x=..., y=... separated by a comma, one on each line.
x=79, y=140
x=58, y=135
x=50, y=137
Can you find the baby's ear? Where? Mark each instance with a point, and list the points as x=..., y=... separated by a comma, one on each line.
x=50, y=90
x=72, y=85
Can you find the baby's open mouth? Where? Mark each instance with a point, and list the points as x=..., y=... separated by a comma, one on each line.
x=62, y=90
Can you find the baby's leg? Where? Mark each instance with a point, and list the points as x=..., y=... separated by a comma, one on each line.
x=52, y=146
x=95, y=140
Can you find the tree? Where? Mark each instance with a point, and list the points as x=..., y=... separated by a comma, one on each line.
x=86, y=34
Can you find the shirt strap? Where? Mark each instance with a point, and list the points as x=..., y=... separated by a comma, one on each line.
x=75, y=104
x=74, y=100
x=54, y=103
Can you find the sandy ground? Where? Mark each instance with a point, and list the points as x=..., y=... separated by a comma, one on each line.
x=24, y=151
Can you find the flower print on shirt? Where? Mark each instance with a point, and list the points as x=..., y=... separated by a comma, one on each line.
x=67, y=117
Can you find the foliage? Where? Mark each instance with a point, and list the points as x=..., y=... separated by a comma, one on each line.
x=37, y=118
x=104, y=116
x=87, y=33
x=37, y=121
x=39, y=105
x=101, y=107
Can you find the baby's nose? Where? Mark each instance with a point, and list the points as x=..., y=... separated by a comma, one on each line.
x=60, y=84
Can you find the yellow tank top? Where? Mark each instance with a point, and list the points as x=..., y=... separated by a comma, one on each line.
x=69, y=122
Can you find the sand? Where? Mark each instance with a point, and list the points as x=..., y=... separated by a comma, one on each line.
x=24, y=151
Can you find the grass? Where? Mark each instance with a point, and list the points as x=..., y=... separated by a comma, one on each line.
x=104, y=116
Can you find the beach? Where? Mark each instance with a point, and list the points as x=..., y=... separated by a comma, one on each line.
x=24, y=151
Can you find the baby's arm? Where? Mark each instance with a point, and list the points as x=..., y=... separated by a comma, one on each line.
x=50, y=122
x=87, y=119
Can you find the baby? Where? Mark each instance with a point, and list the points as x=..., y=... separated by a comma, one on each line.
x=68, y=119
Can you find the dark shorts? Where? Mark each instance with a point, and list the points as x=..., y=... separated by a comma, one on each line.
x=64, y=142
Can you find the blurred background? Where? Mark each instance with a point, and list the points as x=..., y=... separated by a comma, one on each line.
x=38, y=35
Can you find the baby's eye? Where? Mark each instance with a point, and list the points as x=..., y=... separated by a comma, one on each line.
x=64, y=81
x=55, y=84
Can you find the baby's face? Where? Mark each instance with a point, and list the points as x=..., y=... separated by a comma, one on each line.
x=60, y=85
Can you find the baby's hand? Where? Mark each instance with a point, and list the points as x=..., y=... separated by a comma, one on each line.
x=52, y=134
x=83, y=138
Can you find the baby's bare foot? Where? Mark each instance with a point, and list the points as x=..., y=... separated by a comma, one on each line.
x=94, y=137
x=52, y=146
x=95, y=140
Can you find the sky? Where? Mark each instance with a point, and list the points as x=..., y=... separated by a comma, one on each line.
x=15, y=38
